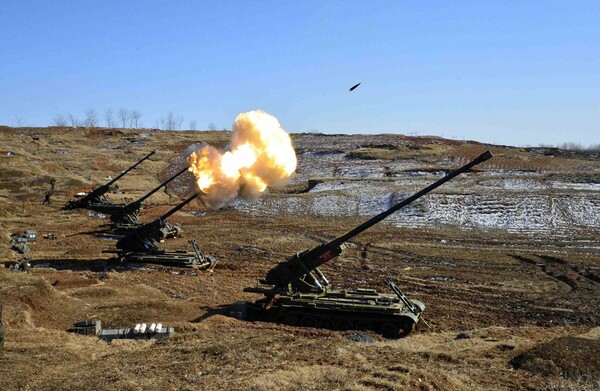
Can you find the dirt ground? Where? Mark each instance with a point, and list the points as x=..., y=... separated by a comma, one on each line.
x=495, y=299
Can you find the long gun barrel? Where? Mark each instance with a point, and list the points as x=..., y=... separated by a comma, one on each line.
x=143, y=238
x=127, y=214
x=304, y=263
x=134, y=206
x=178, y=207
x=96, y=194
x=129, y=169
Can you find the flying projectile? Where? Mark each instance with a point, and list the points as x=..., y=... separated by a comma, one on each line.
x=354, y=86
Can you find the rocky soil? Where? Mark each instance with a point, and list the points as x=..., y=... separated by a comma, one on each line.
x=506, y=258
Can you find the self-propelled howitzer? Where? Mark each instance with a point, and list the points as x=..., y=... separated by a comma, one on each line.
x=124, y=217
x=141, y=245
x=97, y=196
x=296, y=291
x=129, y=211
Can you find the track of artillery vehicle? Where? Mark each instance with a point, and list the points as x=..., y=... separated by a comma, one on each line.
x=141, y=245
x=97, y=196
x=124, y=218
x=296, y=292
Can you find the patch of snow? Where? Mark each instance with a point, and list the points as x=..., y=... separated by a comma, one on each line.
x=513, y=184
x=576, y=186
x=530, y=214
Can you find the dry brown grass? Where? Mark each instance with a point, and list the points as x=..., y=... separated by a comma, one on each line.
x=505, y=305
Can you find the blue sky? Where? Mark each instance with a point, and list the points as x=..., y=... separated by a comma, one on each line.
x=503, y=72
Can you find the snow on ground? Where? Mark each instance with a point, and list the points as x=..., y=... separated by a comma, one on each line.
x=576, y=186
x=516, y=206
x=522, y=202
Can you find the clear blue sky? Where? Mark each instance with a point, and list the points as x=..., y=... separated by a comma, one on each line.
x=517, y=73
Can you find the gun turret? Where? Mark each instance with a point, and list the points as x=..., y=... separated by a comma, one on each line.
x=96, y=196
x=301, y=273
x=144, y=238
x=127, y=214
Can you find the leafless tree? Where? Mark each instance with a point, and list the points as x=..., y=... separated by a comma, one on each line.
x=59, y=120
x=91, y=119
x=211, y=126
x=170, y=121
x=73, y=120
x=135, y=117
x=193, y=124
x=173, y=122
x=179, y=122
x=20, y=121
x=572, y=146
x=123, y=115
x=108, y=117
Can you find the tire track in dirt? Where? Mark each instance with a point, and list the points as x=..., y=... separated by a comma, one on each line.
x=562, y=271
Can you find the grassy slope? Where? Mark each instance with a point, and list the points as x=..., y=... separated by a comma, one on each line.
x=507, y=299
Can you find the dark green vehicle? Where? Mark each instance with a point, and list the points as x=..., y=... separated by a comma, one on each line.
x=297, y=293
x=141, y=245
x=124, y=218
x=98, y=195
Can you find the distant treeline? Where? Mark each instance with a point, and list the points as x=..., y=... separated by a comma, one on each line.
x=570, y=146
x=123, y=118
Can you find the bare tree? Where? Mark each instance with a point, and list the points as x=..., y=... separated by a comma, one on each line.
x=108, y=117
x=135, y=117
x=173, y=122
x=193, y=124
x=123, y=115
x=20, y=121
x=73, y=120
x=170, y=121
x=59, y=120
x=179, y=122
x=211, y=126
x=91, y=119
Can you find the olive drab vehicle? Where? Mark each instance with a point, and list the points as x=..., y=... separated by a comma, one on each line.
x=141, y=245
x=97, y=196
x=124, y=218
x=296, y=292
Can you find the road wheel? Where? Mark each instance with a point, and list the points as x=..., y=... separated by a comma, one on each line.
x=327, y=323
x=344, y=324
x=389, y=330
x=363, y=325
x=291, y=319
x=308, y=321
x=406, y=327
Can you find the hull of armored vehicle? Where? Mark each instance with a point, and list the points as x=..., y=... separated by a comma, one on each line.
x=361, y=309
x=170, y=258
x=296, y=292
x=351, y=310
x=167, y=232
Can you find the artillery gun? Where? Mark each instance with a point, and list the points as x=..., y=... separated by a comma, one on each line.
x=97, y=196
x=141, y=245
x=124, y=217
x=296, y=292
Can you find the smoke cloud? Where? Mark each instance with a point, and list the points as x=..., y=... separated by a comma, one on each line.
x=260, y=156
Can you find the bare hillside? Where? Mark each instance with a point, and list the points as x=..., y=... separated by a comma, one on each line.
x=506, y=258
